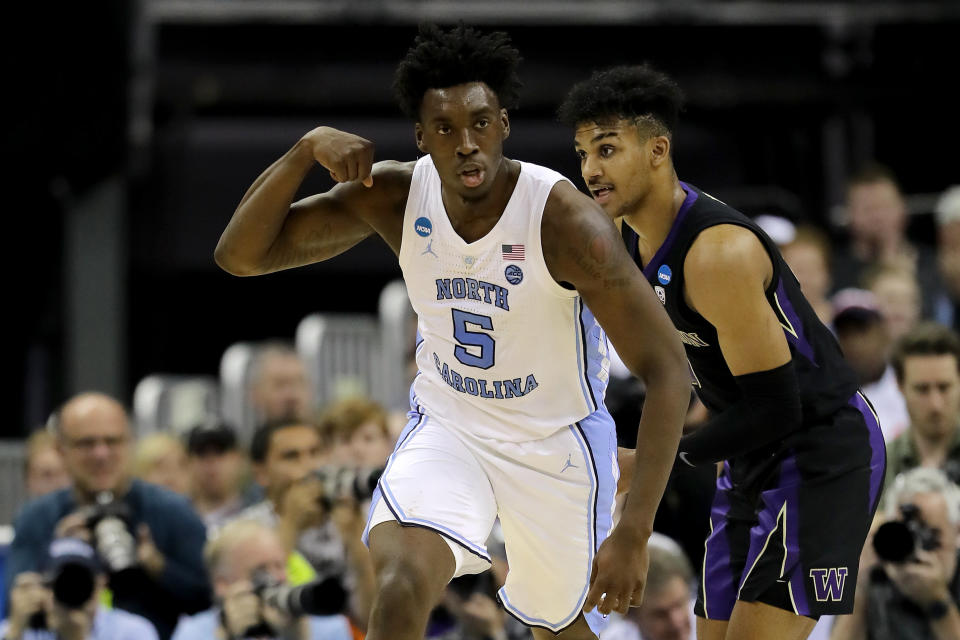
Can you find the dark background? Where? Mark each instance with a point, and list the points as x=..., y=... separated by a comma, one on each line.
x=179, y=105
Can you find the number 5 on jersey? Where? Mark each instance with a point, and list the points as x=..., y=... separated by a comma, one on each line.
x=468, y=338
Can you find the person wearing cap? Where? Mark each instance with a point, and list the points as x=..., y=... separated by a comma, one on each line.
x=927, y=365
x=155, y=534
x=40, y=609
x=215, y=467
x=865, y=340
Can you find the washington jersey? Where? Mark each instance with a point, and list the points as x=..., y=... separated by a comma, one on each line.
x=826, y=381
x=503, y=351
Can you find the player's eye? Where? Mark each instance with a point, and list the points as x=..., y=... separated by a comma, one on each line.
x=606, y=151
x=443, y=129
x=483, y=123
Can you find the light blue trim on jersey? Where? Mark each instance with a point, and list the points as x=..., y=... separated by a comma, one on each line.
x=417, y=423
x=579, y=332
x=596, y=436
x=594, y=357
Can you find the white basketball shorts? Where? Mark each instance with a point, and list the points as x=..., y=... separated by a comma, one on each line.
x=554, y=497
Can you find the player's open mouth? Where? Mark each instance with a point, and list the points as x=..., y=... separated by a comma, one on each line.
x=472, y=176
x=601, y=194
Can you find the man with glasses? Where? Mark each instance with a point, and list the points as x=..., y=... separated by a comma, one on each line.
x=150, y=538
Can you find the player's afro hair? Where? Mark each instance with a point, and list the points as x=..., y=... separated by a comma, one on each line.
x=440, y=59
x=623, y=92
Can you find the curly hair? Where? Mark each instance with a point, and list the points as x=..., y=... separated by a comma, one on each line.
x=440, y=59
x=624, y=92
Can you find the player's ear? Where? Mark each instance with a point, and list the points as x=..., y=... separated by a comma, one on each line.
x=659, y=150
x=505, y=123
x=418, y=134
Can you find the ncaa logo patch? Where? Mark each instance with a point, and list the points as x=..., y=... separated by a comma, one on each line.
x=664, y=275
x=661, y=294
x=513, y=273
x=423, y=227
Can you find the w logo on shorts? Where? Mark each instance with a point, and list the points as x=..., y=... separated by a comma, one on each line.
x=828, y=583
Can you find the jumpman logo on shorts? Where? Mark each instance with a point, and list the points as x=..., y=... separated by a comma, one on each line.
x=429, y=249
x=569, y=463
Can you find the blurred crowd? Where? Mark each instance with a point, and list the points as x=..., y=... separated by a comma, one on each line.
x=208, y=533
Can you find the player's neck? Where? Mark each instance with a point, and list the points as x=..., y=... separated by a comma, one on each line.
x=471, y=211
x=654, y=216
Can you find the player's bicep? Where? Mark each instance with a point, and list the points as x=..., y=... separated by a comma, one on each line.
x=725, y=275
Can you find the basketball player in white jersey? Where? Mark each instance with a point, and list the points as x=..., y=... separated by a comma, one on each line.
x=517, y=278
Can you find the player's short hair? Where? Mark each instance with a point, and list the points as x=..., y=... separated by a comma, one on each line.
x=926, y=339
x=629, y=92
x=446, y=58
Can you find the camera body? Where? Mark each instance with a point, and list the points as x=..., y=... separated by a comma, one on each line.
x=346, y=482
x=899, y=540
x=109, y=522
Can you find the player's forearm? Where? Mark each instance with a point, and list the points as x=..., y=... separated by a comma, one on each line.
x=245, y=244
x=657, y=437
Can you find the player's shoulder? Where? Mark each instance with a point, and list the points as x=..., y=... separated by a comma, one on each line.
x=725, y=249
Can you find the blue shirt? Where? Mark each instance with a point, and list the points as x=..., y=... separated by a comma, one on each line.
x=203, y=626
x=108, y=624
x=177, y=530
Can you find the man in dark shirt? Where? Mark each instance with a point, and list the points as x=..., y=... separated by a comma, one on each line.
x=162, y=540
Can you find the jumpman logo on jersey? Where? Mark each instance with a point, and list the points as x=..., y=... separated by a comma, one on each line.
x=429, y=249
x=569, y=464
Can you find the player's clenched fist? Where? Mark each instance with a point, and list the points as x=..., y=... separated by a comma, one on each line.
x=346, y=156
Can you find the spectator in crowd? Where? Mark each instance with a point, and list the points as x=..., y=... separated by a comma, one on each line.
x=947, y=217
x=915, y=599
x=43, y=470
x=36, y=612
x=808, y=255
x=215, y=467
x=878, y=225
x=667, y=609
x=325, y=529
x=279, y=384
x=898, y=297
x=239, y=559
x=358, y=429
x=927, y=365
x=865, y=341
x=160, y=459
x=155, y=562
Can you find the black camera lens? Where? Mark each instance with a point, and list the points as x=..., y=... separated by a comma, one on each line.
x=73, y=585
x=894, y=542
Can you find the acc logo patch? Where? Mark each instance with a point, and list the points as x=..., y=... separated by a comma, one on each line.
x=423, y=227
x=664, y=274
x=661, y=294
x=513, y=273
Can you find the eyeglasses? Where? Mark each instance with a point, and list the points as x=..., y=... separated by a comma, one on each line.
x=89, y=444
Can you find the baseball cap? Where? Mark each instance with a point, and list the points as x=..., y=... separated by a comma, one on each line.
x=855, y=306
x=215, y=437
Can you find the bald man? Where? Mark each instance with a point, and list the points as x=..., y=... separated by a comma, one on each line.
x=163, y=537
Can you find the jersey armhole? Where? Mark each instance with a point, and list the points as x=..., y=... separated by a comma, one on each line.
x=541, y=272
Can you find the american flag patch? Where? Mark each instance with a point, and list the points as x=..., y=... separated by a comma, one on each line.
x=512, y=251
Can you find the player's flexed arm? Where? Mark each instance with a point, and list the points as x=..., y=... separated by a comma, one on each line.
x=269, y=232
x=581, y=246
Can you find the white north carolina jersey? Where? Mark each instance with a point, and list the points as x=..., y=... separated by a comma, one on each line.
x=503, y=350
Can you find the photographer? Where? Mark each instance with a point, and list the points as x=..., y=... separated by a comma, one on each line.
x=911, y=589
x=63, y=602
x=286, y=458
x=244, y=556
x=150, y=538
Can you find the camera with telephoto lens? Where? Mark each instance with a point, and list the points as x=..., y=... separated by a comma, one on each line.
x=899, y=540
x=318, y=598
x=108, y=520
x=71, y=575
x=346, y=482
